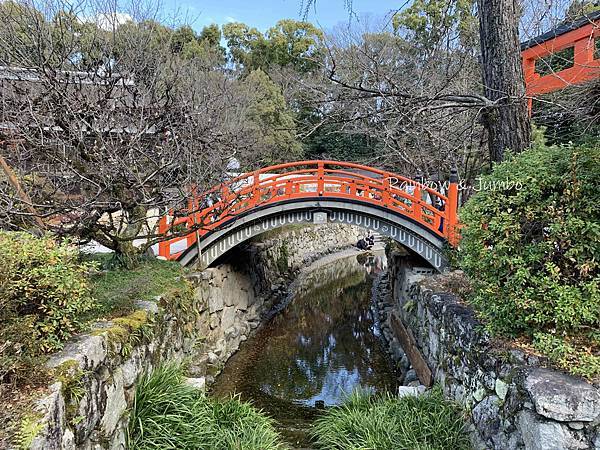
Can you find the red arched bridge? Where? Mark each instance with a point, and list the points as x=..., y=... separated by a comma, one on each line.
x=418, y=217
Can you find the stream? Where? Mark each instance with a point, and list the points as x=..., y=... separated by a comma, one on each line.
x=322, y=345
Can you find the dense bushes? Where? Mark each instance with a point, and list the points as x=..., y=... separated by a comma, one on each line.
x=168, y=414
x=43, y=292
x=389, y=423
x=531, y=244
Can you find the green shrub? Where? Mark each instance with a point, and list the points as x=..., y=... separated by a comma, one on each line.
x=43, y=292
x=385, y=422
x=531, y=246
x=168, y=414
x=573, y=353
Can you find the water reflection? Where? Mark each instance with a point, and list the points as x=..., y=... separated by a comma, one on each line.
x=320, y=347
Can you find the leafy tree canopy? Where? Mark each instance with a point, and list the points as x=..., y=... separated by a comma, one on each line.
x=289, y=42
x=75, y=44
x=273, y=120
x=433, y=21
x=579, y=8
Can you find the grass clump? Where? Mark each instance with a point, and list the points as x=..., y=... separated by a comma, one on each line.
x=382, y=422
x=168, y=414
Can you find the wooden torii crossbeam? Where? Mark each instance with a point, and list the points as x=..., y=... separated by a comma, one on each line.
x=580, y=64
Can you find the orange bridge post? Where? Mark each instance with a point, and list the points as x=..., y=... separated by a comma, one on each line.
x=452, y=209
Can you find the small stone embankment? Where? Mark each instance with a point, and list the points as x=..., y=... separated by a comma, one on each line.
x=512, y=400
x=203, y=324
x=383, y=308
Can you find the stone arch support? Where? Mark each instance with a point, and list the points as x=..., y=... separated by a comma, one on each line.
x=241, y=229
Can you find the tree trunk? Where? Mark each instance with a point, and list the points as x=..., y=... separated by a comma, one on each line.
x=128, y=225
x=127, y=255
x=508, y=122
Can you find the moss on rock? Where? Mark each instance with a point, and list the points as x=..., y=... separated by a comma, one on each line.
x=72, y=379
x=127, y=332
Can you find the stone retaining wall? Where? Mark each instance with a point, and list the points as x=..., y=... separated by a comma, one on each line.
x=285, y=253
x=513, y=402
x=383, y=307
x=96, y=373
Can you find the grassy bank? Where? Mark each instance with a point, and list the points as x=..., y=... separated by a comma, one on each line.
x=168, y=414
x=384, y=422
x=116, y=290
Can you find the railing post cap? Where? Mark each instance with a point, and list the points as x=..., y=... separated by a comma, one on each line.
x=453, y=175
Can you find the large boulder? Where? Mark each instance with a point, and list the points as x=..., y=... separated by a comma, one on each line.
x=562, y=397
x=547, y=435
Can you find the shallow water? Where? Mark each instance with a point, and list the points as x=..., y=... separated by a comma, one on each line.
x=320, y=347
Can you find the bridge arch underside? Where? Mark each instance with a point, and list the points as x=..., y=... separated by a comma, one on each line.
x=401, y=229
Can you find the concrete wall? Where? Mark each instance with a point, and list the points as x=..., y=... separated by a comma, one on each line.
x=512, y=401
x=96, y=373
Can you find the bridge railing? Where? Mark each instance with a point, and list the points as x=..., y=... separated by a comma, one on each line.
x=310, y=180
